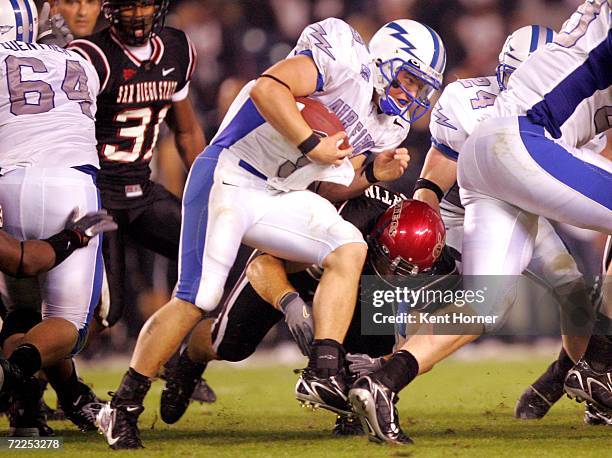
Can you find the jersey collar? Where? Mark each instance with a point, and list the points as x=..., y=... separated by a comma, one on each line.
x=156, y=43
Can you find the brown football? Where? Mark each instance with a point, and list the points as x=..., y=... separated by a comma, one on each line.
x=321, y=119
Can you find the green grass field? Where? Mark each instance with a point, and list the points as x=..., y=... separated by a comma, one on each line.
x=460, y=409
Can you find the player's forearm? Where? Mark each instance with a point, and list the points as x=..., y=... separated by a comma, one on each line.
x=189, y=145
x=275, y=98
x=38, y=256
x=440, y=170
x=268, y=277
x=277, y=105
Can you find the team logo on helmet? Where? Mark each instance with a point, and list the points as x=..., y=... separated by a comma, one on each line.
x=6, y=29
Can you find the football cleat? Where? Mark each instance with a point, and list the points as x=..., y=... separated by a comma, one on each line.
x=328, y=393
x=181, y=381
x=374, y=403
x=119, y=424
x=586, y=384
x=26, y=412
x=203, y=392
x=10, y=379
x=347, y=425
x=83, y=408
x=593, y=416
x=534, y=403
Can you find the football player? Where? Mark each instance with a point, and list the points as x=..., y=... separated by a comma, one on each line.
x=462, y=105
x=250, y=185
x=47, y=108
x=265, y=294
x=509, y=172
x=145, y=70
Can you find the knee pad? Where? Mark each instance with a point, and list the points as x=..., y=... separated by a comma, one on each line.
x=19, y=322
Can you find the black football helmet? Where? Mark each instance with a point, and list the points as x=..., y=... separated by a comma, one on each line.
x=133, y=29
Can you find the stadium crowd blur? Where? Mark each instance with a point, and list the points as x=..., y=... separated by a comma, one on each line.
x=238, y=39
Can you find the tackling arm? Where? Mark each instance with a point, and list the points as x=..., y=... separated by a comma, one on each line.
x=38, y=256
x=439, y=169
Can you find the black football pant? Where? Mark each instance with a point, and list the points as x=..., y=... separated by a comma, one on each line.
x=156, y=226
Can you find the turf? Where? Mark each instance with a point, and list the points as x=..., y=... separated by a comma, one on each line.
x=460, y=409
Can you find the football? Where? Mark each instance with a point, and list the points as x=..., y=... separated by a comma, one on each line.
x=321, y=119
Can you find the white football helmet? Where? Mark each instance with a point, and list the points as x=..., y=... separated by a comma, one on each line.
x=408, y=45
x=518, y=47
x=18, y=20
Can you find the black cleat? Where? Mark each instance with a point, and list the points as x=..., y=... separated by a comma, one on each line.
x=26, y=412
x=119, y=424
x=586, y=384
x=534, y=404
x=11, y=379
x=82, y=408
x=181, y=381
x=203, y=392
x=374, y=403
x=347, y=425
x=594, y=417
x=328, y=393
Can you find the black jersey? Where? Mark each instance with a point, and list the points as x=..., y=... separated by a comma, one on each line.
x=363, y=211
x=134, y=99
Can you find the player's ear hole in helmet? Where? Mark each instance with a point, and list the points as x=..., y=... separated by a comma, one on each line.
x=519, y=45
x=136, y=21
x=405, y=50
x=18, y=21
x=406, y=240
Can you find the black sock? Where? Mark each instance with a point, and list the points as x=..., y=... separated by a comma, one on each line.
x=327, y=357
x=603, y=325
x=599, y=353
x=133, y=388
x=399, y=371
x=195, y=368
x=555, y=374
x=27, y=358
x=68, y=389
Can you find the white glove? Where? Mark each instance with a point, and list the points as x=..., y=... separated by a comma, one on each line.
x=362, y=364
x=52, y=29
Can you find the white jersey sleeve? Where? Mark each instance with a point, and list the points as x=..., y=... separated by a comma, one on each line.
x=335, y=48
x=461, y=106
x=47, y=107
x=566, y=85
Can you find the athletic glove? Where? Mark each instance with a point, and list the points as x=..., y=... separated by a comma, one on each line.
x=362, y=364
x=89, y=226
x=298, y=316
x=52, y=29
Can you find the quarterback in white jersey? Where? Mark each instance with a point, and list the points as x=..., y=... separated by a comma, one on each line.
x=250, y=186
x=48, y=164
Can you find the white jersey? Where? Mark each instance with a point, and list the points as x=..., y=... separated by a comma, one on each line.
x=47, y=107
x=463, y=104
x=566, y=85
x=345, y=85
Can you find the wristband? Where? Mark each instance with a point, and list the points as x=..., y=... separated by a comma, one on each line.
x=428, y=184
x=63, y=243
x=368, y=172
x=309, y=144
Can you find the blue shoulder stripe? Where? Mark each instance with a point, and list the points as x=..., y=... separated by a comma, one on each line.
x=446, y=150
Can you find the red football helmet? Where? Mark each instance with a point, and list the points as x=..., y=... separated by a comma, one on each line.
x=407, y=239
